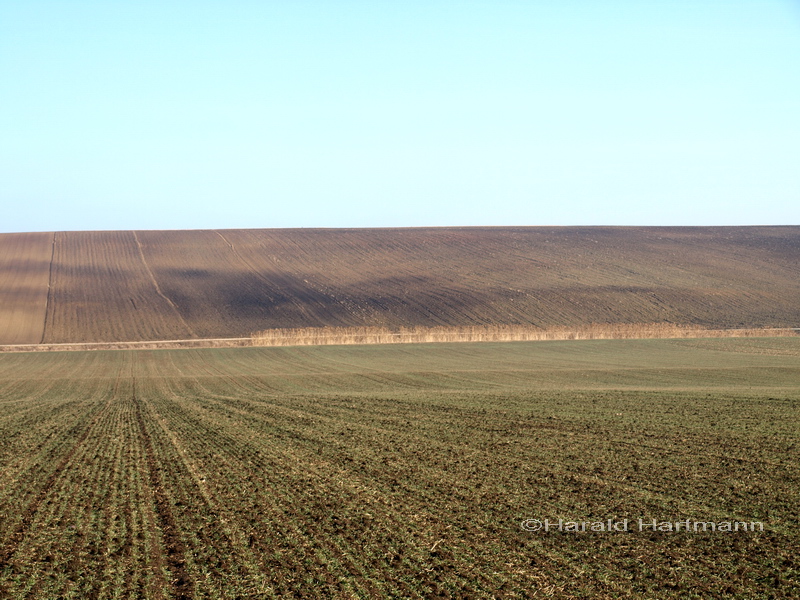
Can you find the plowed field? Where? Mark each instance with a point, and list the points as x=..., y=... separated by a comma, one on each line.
x=401, y=471
x=167, y=285
x=25, y=260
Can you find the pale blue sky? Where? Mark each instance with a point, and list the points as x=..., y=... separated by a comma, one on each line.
x=208, y=114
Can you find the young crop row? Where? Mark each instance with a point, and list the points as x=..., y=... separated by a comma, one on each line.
x=84, y=528
x=269, y=473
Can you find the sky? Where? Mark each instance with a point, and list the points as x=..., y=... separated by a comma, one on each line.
x=172, y=114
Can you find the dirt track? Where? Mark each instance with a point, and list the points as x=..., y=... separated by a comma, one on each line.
x=334, y=336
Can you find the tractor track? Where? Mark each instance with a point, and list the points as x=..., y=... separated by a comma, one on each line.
x=181, y=583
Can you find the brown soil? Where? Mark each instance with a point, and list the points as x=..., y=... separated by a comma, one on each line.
x=168, y=285
x=25, y=260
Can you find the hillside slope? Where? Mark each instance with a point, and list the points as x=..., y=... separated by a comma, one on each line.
x=25, y=260
x=151, y=285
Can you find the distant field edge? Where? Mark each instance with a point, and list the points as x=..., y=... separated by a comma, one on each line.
x=333, y=336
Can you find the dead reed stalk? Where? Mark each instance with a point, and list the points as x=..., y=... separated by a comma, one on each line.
x=316, y=336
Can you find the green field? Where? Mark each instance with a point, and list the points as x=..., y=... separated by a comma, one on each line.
x=402, y=471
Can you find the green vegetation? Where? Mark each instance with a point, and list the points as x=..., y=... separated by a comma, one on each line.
x=401, y=470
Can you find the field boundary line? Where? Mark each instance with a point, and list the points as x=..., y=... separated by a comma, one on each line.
x=158, y=289
x=49, y=287
x=383, y=338
x=319, y=336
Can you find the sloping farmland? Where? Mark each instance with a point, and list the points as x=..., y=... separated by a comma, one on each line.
x=24, y=284
x=544, y=276
x=231, y=283
x=166, y=285
x=103, y=290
